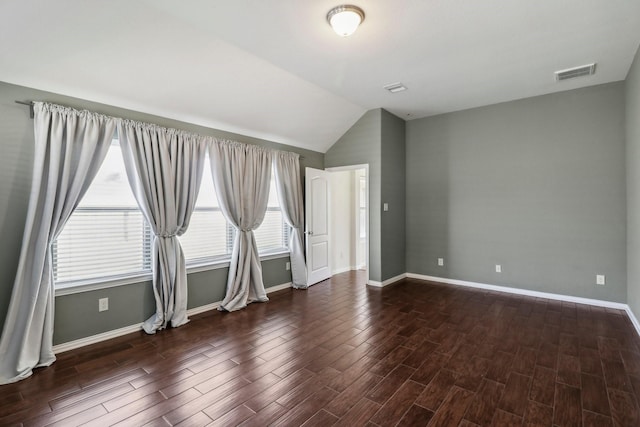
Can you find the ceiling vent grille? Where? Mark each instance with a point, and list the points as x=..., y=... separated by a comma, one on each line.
x=395, y=87
x=571, y=73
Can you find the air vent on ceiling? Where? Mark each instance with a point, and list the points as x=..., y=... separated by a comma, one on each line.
x=570, y=73
x=395, y=87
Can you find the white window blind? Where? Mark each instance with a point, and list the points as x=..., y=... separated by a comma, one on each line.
x=273, y=233
x=107, y=237
x=210, y=236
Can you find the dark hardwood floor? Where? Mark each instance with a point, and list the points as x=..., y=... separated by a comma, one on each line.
x=415, y=353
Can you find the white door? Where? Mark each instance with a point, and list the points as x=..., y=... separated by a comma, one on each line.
x=318, y=247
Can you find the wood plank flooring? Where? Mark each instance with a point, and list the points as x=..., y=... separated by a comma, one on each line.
x=414, y=353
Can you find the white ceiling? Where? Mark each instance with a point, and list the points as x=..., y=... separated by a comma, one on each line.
x=274, y=69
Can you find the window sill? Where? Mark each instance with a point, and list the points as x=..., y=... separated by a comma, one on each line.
x=97, y=284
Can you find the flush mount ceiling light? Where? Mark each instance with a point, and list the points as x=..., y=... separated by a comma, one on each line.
x=345, y=19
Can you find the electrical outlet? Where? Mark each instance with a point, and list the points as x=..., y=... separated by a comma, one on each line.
x=287, y=266
x=498, y=268
x=385, y=207
x=440, y=262
x=600, y=279
x=103, y=304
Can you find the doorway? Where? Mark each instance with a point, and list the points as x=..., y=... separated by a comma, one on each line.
x=349, y=218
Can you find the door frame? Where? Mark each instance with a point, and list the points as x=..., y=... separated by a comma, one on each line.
x=364, y=166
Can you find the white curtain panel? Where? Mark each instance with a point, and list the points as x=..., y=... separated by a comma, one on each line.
x=241, y=176
x=70, y=146
x=287, y=169
x=164, y=168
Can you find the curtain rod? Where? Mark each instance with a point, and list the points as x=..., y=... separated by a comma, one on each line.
x=31, y=114
x=30, y=104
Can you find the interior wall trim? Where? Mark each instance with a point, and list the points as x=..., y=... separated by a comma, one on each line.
x=71, y=345
x=203, y=308
x=277, y=288
x=93, y=339
x=388, y=281
x=343, y=270
x=538, y=294
x=633, y=318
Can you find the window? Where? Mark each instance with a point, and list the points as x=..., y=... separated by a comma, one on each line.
x=210, y=236
x=273, y=233
x=107, y=237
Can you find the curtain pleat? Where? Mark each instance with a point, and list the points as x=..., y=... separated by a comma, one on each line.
x=288, y=183
x=241, y=176
x=164, y=168
x=70, y=146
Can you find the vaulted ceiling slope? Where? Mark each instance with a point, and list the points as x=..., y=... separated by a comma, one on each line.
x=274, y=69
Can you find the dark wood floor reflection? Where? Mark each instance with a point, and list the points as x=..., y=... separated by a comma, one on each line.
x=415, y=353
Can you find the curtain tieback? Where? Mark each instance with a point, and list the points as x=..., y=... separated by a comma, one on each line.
x=167, y=235
x=246, y=230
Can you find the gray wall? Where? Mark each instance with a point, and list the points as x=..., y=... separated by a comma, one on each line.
x=632, y=92
x=361, y=144
x=76, y=315
x=393, y=192
x=378, y=139
x=536, y=185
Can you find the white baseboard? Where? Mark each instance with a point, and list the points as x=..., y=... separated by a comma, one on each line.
x=518, y=291
x=279, y=287
x=633, y=319
x=388, y=281
x=547, y=295
x=342, y=270
x=71, y=345
x=203, y=308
